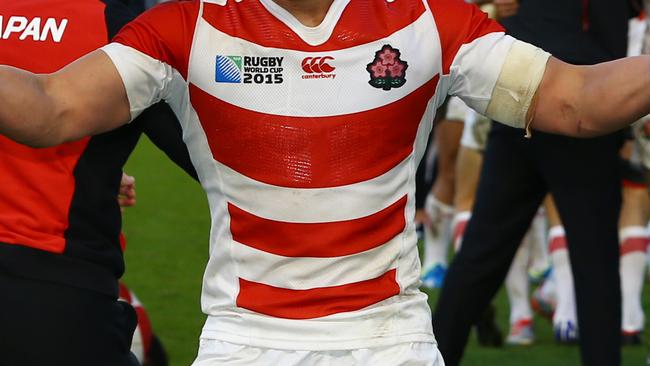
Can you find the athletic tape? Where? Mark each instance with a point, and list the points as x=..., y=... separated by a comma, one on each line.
x=517, y=84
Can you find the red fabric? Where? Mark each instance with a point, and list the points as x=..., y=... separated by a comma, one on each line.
x=459, y=23
x=317, y=302
x=633, y=185
x=557, y=243
x=586, y=21
x=459, y=230
x=122, y=242
x=634, y=244
x=145, y=328
x=38, y=184
x=315, y=152
x=125, y=293
x=164, y=33
x=252, y=22
x=331, y=239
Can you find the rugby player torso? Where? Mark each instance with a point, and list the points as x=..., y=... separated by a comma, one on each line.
x=306, y=140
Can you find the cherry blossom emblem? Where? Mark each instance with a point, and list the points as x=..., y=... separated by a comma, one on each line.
x=387, y=71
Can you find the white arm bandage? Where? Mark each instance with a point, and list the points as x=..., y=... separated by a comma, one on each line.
x=517, y=84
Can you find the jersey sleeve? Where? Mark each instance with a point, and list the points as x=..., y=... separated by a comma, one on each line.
x=493, y=73
x=151, y=54
x=473, y=48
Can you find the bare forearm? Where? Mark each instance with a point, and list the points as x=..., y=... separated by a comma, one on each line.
x=616, y=94
x=26, y=112
x=588, y=101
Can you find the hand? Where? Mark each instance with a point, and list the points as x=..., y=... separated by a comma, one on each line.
x=506, y=8
x=126, y=196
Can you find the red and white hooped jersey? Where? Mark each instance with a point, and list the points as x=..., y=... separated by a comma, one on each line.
x=306, y=141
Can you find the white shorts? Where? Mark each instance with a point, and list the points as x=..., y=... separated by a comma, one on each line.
x=213, y=352
x=641, y=152
x=475, y=132
x=457, y=110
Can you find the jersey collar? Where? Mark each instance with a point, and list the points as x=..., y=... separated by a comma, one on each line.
x=314, y=36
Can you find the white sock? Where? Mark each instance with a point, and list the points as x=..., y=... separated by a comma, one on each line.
x=437, y=232
x=634, y=242
x=548, y=290
x=460, y=223
x=517, y=285
x=539, y=257
x=566, y=304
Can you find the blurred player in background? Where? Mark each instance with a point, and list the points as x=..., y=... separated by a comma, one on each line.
x=146, y=346
x=444, y=219
x=438, y=206
x=60, y=256
x=531, y=261
x=582, y=176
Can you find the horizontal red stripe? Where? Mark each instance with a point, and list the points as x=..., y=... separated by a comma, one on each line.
x=638, y=244
x=557, y=243
x=362, y=22
x=317, y=302
x=634, y=185
x=321, y=240
x=314, y=152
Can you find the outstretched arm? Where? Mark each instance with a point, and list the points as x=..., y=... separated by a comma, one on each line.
x=84, y=98
x=587, y=101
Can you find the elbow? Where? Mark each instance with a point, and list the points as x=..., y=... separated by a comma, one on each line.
x=578, y=121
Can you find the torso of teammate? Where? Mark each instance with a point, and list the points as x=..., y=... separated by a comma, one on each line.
x=59, y=218
x=306, y=141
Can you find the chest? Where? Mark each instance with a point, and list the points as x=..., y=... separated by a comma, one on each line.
x=286, y=77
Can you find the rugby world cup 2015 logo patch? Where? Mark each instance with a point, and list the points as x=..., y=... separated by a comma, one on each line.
x=229, y=69
x=387, y=70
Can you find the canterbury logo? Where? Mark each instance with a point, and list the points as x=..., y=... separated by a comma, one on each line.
x=318, y=68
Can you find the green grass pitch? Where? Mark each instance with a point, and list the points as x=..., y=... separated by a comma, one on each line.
x=167, y=234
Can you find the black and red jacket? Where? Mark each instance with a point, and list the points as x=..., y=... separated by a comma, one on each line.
x=576, y=31
x=59, y=217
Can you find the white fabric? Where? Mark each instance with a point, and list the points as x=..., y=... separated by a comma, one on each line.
x=146, y=80
x=475, y=131
x=296, y=96
x=565, y=310
x=314, y=36
x=306, y=273
x=632, y=271
x=437, y=232
x=476, y=68
x=517, y=285
x=635, y=34
x=460, y=220
x=540, y=261
x=457, y=110
x=520, y=77
x=316, y=204
x=642, y=140
x=402, y=318
x=217, y=353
